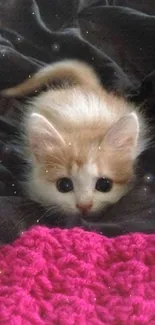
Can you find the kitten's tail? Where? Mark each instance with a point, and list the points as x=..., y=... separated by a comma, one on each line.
x=74, y=71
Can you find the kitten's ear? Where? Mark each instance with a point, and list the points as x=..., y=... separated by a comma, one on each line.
x=42, y=136
x=122, y=138
x=72, y=71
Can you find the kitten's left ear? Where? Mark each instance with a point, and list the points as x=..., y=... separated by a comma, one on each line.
x=42, y=135
x=122, y=138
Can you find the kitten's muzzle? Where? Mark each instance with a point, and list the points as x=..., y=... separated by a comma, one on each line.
x=84, y=208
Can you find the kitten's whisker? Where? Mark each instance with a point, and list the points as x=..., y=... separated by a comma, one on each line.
x=19, y=223
x=27, y=204
x=45, y=214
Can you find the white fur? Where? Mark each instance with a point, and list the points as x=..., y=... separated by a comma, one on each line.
x=78, y=107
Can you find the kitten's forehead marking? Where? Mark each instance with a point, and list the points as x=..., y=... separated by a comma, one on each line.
x=84, y=179
x=88, y=169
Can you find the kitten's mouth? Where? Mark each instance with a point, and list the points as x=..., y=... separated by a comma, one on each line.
x=92, y=217
x=95, y=216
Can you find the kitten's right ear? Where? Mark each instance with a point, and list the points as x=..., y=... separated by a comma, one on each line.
x=122, y=138
x=42, y=136
x=73, y=71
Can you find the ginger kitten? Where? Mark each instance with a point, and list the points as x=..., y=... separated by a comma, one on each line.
x=83, y=141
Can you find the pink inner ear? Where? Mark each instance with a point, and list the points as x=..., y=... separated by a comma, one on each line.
x=42, y=135
x=123, y=135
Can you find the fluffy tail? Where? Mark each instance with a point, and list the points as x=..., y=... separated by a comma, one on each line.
x=73, y=71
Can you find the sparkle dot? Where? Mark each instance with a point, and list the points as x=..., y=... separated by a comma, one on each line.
x=32, y=13
x=87, y=32
x=18, y=39
x=15, y=192
x=38, y=221
x=55, y=47
x=30, y=76
x=69, y=143
x=92, y=58
x=99, y=148
x=148, y=178
x=3, y=53
x=145, y=189
x=94, y=299
x=46, y=171
x=36, y=91
x=13, y=184
x=22, y=233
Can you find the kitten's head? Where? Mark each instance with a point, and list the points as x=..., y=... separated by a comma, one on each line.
x=84, y=170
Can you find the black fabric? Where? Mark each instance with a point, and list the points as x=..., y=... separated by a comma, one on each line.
x=117, y=38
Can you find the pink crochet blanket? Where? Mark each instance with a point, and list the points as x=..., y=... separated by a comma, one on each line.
x=66, y=277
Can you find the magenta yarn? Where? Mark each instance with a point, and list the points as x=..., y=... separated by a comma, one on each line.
x=66, y=277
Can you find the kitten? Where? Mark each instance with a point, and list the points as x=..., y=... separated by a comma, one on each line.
x=83, y=141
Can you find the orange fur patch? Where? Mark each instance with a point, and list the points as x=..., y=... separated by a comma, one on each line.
x=81, y=149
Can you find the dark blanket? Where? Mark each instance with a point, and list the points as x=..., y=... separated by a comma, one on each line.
x=117, y=38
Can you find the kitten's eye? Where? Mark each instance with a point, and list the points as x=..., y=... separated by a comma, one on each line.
x=103, y=185
x=64, y=185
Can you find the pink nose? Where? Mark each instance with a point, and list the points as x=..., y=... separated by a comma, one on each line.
x=84, y=207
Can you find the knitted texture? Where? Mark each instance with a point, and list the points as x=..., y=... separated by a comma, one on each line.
x=66, y=277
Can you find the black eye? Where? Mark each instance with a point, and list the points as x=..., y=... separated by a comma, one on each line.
x=64, y=185
x=103, y=185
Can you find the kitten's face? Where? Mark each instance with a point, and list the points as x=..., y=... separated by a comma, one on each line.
x=78, y=190
x=80, y=177
x=84, y=166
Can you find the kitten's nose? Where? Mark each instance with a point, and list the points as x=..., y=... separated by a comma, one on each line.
x=84, y=207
